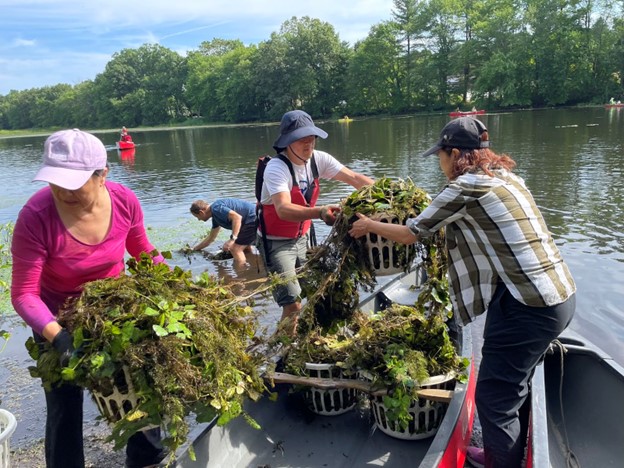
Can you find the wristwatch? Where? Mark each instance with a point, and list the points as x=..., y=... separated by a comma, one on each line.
x=233, y=237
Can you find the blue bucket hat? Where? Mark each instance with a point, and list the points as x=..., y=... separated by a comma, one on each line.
x=294, y=126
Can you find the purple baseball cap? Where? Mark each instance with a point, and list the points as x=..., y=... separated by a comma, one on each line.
x=70, y=157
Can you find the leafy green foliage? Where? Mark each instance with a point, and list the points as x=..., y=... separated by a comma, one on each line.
x=6, y=233
x=398, y=348
x=340, y=267
x=182, y=341
x=428, y=55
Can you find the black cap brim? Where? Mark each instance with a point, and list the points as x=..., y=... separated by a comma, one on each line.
x=434, y=149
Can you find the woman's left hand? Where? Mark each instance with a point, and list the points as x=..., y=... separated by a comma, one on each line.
x=360, y=227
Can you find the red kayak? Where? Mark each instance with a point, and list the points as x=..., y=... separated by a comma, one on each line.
x=609, y=106
x=462, y=114
x=123, y=145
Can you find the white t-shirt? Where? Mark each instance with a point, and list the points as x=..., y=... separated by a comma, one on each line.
x=277, y=176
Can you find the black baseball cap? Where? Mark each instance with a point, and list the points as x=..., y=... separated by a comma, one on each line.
x=462, y=133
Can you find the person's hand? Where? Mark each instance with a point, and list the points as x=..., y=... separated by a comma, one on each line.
x=360, y=227
x=63, y=343
x=328, y=214
x=228, y=245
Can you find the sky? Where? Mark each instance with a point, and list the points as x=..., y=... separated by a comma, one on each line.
x=46, y=42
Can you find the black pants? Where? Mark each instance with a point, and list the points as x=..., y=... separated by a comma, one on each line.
x=64, y=441
x=63, y=435
x=515, y=339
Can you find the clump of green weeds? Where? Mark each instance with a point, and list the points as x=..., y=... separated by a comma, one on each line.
x=181, y=340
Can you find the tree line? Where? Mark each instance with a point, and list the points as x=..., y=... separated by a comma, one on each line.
x=430, y=55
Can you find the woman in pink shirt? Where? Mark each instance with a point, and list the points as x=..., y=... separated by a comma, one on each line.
x=73, y=231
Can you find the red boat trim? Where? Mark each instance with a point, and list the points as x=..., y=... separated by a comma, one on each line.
x=455, y=453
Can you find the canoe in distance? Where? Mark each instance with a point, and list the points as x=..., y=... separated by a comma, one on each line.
x=462, y=114
x=292, y=436
x=577, y=407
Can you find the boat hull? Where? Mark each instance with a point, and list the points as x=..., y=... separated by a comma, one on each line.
x=577, y=410
x=125, y=145
x=292, y=436
x=613, y=106
x=462, y=114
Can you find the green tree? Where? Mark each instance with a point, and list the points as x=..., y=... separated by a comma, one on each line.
x=220, y=81
x=302, y=66
x=374, y=72
x=409, y=24
x=142, y=86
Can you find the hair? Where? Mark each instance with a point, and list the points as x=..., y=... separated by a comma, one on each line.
x=198, y=205
x=99, y=172
x=474, y=160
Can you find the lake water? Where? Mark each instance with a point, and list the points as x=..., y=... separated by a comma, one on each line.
x=571, y=159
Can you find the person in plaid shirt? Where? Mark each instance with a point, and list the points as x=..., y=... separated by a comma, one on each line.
x=503, y=260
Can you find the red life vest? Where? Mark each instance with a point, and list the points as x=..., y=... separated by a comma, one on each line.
x=275, y=226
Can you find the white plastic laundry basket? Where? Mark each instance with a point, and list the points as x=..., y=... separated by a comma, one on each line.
x=119, y=400
x=7, y=427
x=329, y=402
x=426, y=414
x=387, y=257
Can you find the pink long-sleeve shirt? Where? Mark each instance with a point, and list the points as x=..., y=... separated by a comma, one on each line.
x=50, y=265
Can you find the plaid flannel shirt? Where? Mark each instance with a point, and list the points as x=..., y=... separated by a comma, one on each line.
x=495, y=232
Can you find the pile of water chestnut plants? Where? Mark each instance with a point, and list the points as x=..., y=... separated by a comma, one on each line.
x=183, y=341
x=340, y=268
x=397, y=348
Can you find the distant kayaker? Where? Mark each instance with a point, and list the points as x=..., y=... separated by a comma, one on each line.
x=503, y=260
x=234, y=214
x=290, y=189
x=124, y=136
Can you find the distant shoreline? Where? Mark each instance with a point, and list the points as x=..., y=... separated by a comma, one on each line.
x=6, y=134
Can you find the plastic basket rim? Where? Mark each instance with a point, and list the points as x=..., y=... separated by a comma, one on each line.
x=8, y=420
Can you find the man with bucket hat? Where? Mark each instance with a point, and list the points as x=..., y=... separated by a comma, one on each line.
x=501, y=259
x=290, y=190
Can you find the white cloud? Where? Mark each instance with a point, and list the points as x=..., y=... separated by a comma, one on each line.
x=23, y=43
x=70, y=41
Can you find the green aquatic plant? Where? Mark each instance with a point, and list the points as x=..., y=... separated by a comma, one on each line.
x=182, y=341
x=6, y=234
x=340, y=268
x=398, y=348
